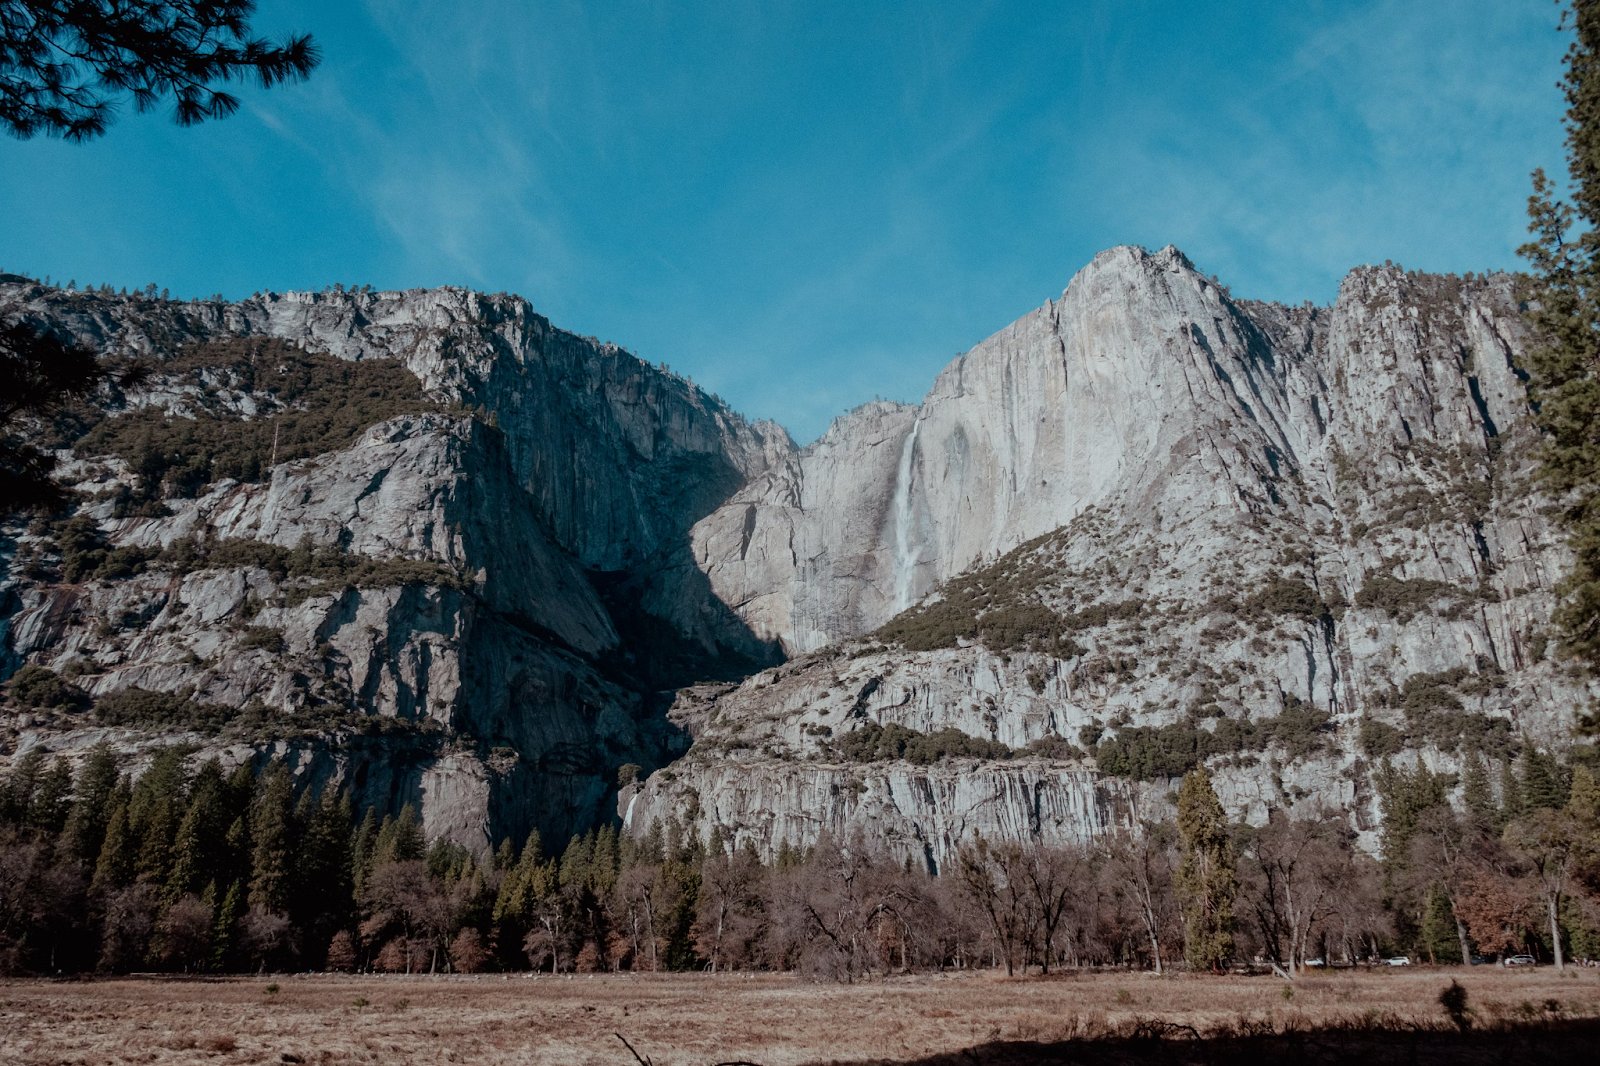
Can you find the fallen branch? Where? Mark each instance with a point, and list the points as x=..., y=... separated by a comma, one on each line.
x=636, y=1057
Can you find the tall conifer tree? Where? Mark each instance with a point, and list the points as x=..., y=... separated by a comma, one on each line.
x=1477, y=794
x=198, y=853
x=1541, y=781
x=91, y=804
x=1564, y=367
x=114, y=867
x=272, y=840
x=1205, y=881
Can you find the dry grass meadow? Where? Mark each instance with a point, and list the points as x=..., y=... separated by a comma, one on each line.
x=694, y=1020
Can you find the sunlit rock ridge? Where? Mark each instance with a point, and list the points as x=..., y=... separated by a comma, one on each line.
x=1311, y=527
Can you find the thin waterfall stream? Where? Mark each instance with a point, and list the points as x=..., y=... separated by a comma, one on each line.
x=905, y=553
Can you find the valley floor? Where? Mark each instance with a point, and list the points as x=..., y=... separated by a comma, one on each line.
x=678, y=1020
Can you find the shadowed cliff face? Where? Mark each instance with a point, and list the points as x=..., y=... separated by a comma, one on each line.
x=1240, y=517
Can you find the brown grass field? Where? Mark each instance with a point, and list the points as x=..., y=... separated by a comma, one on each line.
x=774, y=1020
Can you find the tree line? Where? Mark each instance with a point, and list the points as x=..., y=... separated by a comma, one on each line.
x=191, y=868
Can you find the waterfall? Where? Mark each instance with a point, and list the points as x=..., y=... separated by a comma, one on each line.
x=905, y=555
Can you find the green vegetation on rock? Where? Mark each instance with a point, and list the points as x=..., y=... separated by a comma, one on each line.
x=875, y=743
x=1145, y=753
x=312, y=403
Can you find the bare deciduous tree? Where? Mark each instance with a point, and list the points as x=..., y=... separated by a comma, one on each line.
x=829, y=913
x=1141, y=864
x=1291, y=882
x=183, y=935
x=994, y=879
x=730, y=917
x=1547, y=843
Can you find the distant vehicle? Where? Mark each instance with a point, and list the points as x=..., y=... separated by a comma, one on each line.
x=1315, y=963
x=1398, y=960
x=1479, y=960
x=1520, y=960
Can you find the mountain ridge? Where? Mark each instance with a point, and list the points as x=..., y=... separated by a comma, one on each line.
x=626, y=534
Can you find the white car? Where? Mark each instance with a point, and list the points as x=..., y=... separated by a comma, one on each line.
x=1520, y=960
x=1398, y=960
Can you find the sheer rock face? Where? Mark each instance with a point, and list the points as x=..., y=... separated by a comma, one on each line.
x=1146, y=455
x=1144, y=388
x=1174, y=451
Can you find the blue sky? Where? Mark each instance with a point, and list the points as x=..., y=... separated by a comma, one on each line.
x=806, y=205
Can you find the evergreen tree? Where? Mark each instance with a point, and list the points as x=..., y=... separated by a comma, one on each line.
x=1583, y=799
x=227, y=919
x=1564, y=300
x=67, y=64
x=1511, y=805
x=1541, y=781
x=1439, y=931
x=114, y=866
x=154, y=812
x=505, y=856
x=1205, y=881
x=322, y=896
x=518, y=891
x=788, y=857
x=272, y=840
x=606, y=860
x=52, y=800
x=16, y=797
x=576, y=859
x=1477, y=794
x=445, y=860
x=85, y=830
x=236, y=853
x=399, y=838
x=199, y=851
x=361, y=852
x=241, y=790
x=1403, y=796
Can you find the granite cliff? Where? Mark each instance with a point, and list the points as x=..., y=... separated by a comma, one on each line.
x=510, y=587
x=1154, y=525
x=1147, y=524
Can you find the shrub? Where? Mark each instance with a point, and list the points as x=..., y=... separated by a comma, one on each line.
x=1401, y=599
x=999, y=605
x=327, y=565
x=1054, y=747
x=1380, y=739
x=1435, y=714
x=1285, y=596
x=38, y=686
x=263, y=637
x=140, y=707
x=1148, y=752
x=874, y=743
x=1299, y=729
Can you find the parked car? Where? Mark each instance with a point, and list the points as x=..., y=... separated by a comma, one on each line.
x=1398, y=960
x=1479, y=960
x=1520, y=960
x=1315, y=964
